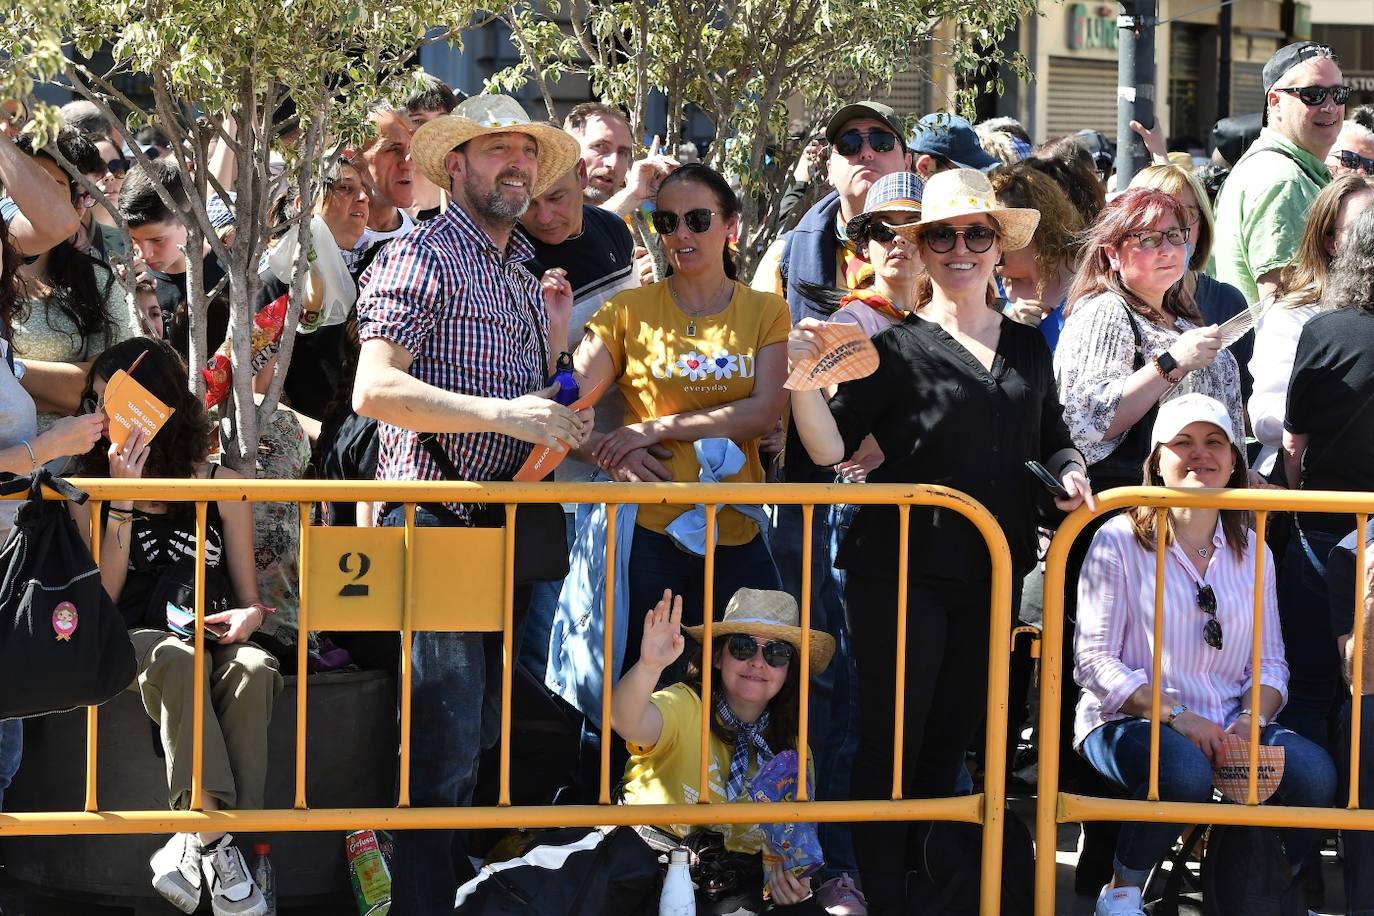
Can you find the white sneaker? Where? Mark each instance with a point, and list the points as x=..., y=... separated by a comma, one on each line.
x=176, y=871
x=1119, y=901
x=232, y=891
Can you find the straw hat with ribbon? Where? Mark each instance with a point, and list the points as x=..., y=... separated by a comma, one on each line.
x=769, y=615
x=957, y=193
x=491, y=114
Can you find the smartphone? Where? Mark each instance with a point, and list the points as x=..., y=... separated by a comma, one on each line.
x=182, y=622
x=1047, y=480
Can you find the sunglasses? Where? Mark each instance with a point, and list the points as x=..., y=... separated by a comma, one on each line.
x=1312, y=96
x=776, y=653
x=665, y=221
x=1150, y=239
x=1354, y=161
x=851, y=142
x=117, y=167
x=977, y=239
x=879, y=232
x=1207, y=603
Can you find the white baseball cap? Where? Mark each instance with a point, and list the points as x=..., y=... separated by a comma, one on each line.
x=1175, y=414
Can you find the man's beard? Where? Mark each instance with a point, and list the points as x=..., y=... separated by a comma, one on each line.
x=493, y=204
x=594, y=193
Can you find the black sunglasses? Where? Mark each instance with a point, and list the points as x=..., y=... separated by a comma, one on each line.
x=776, y=653
x=117, y=166
x=665, y=221
x=851, y=141
x=878, y=231
x=1354, y=161
x=1312, y=96
x=1207, y=603
x=977, y=239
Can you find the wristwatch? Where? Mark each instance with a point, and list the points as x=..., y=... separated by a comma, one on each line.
x=1261, y=719
x=1167, y=366
x=1175, y=711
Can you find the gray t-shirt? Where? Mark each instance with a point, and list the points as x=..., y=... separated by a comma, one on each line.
x=18, y=422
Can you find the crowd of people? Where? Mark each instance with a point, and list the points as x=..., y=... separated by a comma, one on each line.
x=1206, y=324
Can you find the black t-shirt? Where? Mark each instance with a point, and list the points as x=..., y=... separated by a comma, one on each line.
x=159, y=540
x=1340, y=583
x=1331, y=400
x=172, y=296
x=941, y=418
x=599, y=262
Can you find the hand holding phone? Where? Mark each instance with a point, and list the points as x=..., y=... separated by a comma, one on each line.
x=1047, y=480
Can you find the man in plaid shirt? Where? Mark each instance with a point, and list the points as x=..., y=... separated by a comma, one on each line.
x=455, y=342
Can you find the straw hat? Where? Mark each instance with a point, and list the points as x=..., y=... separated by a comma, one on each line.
x=964, y=192
x=491, y=114
x=769, y=615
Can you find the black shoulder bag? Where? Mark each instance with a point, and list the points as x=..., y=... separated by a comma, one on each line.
x=1123, y=467
x=62, y=640
x=541, y=537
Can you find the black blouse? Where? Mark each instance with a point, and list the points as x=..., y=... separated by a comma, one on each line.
x=942, y=418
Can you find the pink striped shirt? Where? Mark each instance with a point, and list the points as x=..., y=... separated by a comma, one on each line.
x=1115, y=635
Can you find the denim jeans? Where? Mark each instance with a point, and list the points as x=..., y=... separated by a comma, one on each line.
x=11, y=750
x=834, y=719
x=1314, y=678
x=453, y=689
x=1120, y=751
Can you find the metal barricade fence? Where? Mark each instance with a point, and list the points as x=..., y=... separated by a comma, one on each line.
x=399, y=567
x=1056, y=807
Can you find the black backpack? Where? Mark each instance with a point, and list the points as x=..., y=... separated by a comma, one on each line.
x=949, y=879
x=62, y=641
x=1245, y=873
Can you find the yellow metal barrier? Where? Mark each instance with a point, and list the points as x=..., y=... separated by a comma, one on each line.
x=985, y=808
x=1057, y=807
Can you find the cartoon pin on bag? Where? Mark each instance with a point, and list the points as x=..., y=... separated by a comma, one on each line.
x=63, y=643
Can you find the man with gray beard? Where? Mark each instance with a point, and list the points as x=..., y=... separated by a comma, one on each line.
x=455, y=343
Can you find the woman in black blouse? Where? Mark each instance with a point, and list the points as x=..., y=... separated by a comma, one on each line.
x=962, y=397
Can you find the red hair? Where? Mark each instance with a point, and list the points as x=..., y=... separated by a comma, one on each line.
x=1136, y=210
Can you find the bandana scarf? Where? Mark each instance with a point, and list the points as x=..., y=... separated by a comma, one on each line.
x=746, y=734
x=858, y=273
x=874, y=300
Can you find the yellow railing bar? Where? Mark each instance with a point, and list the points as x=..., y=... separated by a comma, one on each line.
x=1252, y=780
x=407, y=658
x=507, y=653
x=198, y=689
x=804, y=708
x=995, y=755
x=93, y=712
x=608, y=654
x=302, y=650
x=899, y=679
x=1357, y=663
x=708, y=709
x=1070, y=808
x=1156, y=681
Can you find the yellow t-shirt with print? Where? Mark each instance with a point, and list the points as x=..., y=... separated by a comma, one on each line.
x=669, y=773
x=667, y=363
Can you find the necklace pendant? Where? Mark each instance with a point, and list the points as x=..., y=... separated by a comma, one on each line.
x=1202, y=552
x=691, y=328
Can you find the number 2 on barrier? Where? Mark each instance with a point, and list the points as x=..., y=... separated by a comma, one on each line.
x=355, y=578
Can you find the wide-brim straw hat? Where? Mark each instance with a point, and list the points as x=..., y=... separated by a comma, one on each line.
x=492, y=114
x=769, y=615
x=958, y=193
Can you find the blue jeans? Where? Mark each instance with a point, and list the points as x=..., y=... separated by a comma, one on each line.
x=1120, y=751
x=533, y=649
x=1315, y=686
x=11, y=750
x=453, y=688
x=834, y=719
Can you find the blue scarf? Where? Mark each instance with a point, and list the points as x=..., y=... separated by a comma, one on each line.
x=746, y=734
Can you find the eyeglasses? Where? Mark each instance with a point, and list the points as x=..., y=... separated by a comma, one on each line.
x=1207, y=603
x=776, y=653
x=117, y=167
x=1312, y=96
x=851, y=142
x=665, y=221
x=1354, y=161
x=1150, y=239
x=977, y=239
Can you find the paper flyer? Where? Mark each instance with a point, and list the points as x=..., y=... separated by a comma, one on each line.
x=846, y=354
x=128, y=403
x=545, y=458
x=1231, y=769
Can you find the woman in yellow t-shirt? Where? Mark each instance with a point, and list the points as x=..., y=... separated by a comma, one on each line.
x=698, y=356
x=756, y=693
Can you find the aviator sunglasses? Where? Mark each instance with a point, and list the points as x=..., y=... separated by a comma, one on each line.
x=879, y=140
x=1207, y=603
x=665, y=221
x=776, y=653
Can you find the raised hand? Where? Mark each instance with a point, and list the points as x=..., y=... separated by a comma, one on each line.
x=663, y=641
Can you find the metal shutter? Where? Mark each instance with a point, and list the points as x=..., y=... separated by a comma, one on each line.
x=1247, y=87
x=1082, y=93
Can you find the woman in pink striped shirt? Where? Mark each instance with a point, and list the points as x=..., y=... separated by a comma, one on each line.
x=1207, y=636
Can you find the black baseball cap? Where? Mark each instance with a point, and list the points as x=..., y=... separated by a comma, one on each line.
x=865, y=109
x=1289, y=56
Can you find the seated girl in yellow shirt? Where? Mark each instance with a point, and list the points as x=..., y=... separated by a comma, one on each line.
x=756, y=694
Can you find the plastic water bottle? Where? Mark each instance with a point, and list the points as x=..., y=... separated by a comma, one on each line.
x=567, y=393
x=678, y=898
x=263, y=876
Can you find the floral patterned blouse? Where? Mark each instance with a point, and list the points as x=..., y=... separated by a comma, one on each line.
x=1095, y=356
